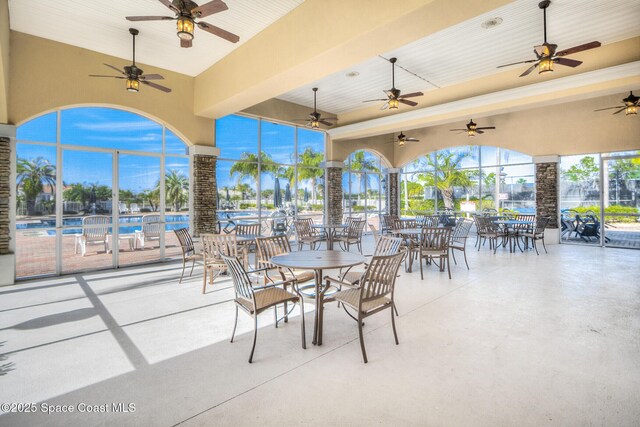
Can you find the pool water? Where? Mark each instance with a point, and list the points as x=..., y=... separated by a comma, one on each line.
x=128, y=224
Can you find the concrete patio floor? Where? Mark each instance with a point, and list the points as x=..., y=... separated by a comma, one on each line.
x=519, y=339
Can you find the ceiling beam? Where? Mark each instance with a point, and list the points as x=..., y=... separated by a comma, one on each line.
x=337, y=34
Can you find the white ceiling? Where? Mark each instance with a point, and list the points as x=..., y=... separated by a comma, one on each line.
x=100, y=25
x=467, y=51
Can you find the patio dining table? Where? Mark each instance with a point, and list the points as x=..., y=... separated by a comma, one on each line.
x=411, y=235
x=331, y=232
x=508, y=224
x=318, y=261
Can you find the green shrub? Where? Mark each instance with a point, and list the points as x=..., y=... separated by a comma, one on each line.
x=611, y=210
x=247, y=206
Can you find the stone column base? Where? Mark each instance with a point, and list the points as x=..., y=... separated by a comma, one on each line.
x=551, y=236
x=7, y=269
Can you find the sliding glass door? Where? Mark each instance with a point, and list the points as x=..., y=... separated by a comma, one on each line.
x=621, y=201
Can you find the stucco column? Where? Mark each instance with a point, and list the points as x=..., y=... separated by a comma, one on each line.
x=203, y=189
x=393, y=191
x=7, y=205
x=333, y=192
x=547, y=190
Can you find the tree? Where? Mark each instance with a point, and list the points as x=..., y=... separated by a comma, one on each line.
x=584, y=174
x=360, y=163
x=490, y=180
x=311, y=161
x=32, y=176
x=521, y=181
x=247, y=167
x=447, y=175
x=176, y=186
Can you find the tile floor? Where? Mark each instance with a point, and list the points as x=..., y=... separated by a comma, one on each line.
x=519, y=340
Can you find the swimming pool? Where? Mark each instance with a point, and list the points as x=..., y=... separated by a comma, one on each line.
x=128, y=224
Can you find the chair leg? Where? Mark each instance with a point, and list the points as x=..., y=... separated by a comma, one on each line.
x=535, y=246
x=395, y=309
x=465, y=257
x=275, y=315
x=204, y=280
x=286, y=313
x=183, y=266
x=255, y=335
x=393, y=324
x=192, y=266
x=448, y=261
x=235, y=324
x=454, y=258
x=421, y=272
x=544, y=246
x=304, y=332
x=364, y=353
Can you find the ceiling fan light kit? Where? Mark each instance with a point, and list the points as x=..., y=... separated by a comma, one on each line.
x=630, y=106
x=185, y=27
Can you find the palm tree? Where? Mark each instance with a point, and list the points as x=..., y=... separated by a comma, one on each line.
x=446, y=175
x=361, y=164
x=32, y=176
x=247, y=166
x=176, y=188
x=311, y=161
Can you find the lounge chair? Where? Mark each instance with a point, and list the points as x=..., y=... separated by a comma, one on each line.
x=95, y=229
x=151, y=227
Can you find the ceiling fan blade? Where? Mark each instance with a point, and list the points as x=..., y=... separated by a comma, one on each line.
x=486, y=127
x=210, y=8
x=375, y=100
x=101, y=75
x=568, y=62
x=412, y=140
x=152, y=77
x=576, y=49
x=326, y=123
x=219, y=32
x=529, y=70
x=620, y=110
x=150, y=18
x=115, y=68
x=609, y=108
x=411, y=95
x=516, y=63
x=385, y=106
x=455, y=130
x=186, y=43
x=169, y=5
x=406, y=101
x=479, y=131
x=156, y=86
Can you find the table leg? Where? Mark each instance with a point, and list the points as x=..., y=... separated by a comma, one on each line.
x=317, y=338
x=329, y=239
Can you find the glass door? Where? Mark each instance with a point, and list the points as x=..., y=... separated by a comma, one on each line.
x=140, y=217
x=87, y=210
x=620, y=204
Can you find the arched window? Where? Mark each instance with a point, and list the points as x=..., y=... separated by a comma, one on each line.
x=93, y=179
x=364, y=186
x=469, y=179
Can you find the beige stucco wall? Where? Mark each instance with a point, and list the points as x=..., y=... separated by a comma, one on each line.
x=563, y=129
x=284, y=111
x=4, y=61
x=46, y=75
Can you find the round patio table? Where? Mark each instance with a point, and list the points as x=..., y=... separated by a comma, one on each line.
x=318, y=261
x=506, y=224
x=331, y=231
x=409, y=234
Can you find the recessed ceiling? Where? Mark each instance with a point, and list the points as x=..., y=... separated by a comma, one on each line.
x=468, y=51
x=100, y=25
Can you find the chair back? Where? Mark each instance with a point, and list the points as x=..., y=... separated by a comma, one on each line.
x=355, y=229
x=379, y=278
x=541, y=224
x=387, y=245
x=186, y=242
x=303, y=228
x=430, y=221
x=374, y=231
x=404, y=224
x=241, y=281
x=268, y=247
x=95, y=227
x=435, y=238
x=248, y=229
x=151, y=225
x=461, y=231
x=489, y=212
x=214, y=246
x=388, y=221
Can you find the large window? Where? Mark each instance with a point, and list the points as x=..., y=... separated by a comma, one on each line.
x=364, y=187
x=97, y=188
x=468, y=179
x=268, y=171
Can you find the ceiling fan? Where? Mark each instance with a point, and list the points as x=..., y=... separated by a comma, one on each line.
x=402, y=139
x=473, y=129
x=186, y=14
x=546, y=54
x=393, y=94
x=133, y=74
x=314, y=120
x=630, y=105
